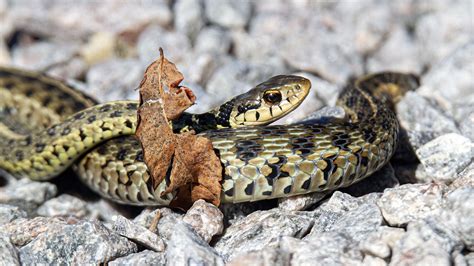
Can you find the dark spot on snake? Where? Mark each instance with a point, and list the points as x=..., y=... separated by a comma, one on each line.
x=8, y=85
x=139, y=156
x=51, y=131
x=245, y=156
x=304, y=152
x=116, y=113
x=257, y=116
x=105, y=108
x=274, y=174
x=139, y=197
x=91, y=118
x=227, y=177
x=364, y=161
x=79, y=116
x=249, y=189
x=306, y=184
x=19, y=155
x=328, y=170
x=229, y=192
x=102, y=150
x=28, y=140
x=121, y=154
x=82, y=135
x=338, y=181
x=66, y=131
x=39, y=147
x=267, y=193
x=128, y=124
x=78, y=105
x=47, y=101
x=287, y=189
x=131, y=106
x=29, y=92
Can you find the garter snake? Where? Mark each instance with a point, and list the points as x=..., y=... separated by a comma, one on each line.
x=45, y=126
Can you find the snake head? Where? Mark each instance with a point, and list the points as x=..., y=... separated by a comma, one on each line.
x=269, y=101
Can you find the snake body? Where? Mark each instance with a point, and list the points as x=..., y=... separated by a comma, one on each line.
x=61, y=125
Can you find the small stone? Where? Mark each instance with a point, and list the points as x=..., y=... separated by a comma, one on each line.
x=405, y=60
x=82, y=243
x=146, y=257
x=99, y=47
x=189, y=17
x=266, y=256
x=206, y=219
x=185, y=247
x=469, y=258
x=64, y=205
x=465, y=179
x=9, y=213
x=8, y=252
x=301, y=202
x=213, y=40
x=423, y=120
x=330, y=248
x=227, y=13
x=450, y=80
x=101, y=210
x=41, y=55
x=415, y=248
x=27, y=194
x=410, y=202
x=176, y=45
x=115, y=79
x=166, y=223
x=458, y=214
x=22, y=231
x=373, y=261
x=379, y=242
x=137, y=233
x=356, y=224
x=441, y=29
x=260, y=229
x=446, y=156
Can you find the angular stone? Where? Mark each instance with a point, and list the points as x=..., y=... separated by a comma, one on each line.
x=27, y=194
x=410, y=202
x=137, y=233
x=206, y=219
x=405, y=60
x=64, y=205
x=423, y=120
x=166, y=223
x=189, y=17
x=331, y=248
x=465, y=179
x=446, y=156
x=41, y=55
x=260, y=229
x=146, y=257
x=8, y=252
x=23, y=231
x=415, y=248
x=115, y=79
x=227, y=13
x=186, y=247
x=9, y=213
x=266, y=256
x=82, y=243
x=380, y=242
x=213, y=40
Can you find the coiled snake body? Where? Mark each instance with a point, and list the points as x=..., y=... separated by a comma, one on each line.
x=45, y=126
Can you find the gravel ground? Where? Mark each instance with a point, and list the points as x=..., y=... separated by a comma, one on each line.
x=416, y=211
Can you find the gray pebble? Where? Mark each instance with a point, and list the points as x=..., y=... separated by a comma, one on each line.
x=23, y=231
x=410, y=202
x=266, y=256
x=8, y=252
x=189, y=17
x=137, y=233
x=228, y=13
x=185, y=247
x=214, y=40
x=41, y=55
x=63, y=205
x=446, y=156
x=146, y=257
x=9, y=213
x=206, y=219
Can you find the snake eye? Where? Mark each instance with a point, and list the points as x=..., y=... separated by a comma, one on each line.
x=272, y=97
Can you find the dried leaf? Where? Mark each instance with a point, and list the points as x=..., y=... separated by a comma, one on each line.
x=196, y=170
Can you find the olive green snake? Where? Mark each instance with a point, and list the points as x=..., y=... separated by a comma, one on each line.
x=46, y=126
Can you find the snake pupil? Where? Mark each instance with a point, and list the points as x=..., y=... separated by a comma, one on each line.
x=272, y=97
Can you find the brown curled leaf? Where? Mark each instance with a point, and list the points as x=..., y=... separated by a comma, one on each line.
x=196, y=170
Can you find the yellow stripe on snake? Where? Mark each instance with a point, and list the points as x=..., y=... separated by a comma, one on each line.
x=45, y=126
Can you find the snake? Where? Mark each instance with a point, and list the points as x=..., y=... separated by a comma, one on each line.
x=47, y=125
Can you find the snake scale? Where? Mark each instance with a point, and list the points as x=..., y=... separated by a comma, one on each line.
x=45, y=126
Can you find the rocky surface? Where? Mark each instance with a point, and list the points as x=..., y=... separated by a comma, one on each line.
x=416, y=211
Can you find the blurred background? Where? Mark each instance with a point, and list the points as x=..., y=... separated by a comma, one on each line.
x=225, y=47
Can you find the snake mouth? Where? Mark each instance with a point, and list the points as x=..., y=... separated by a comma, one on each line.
x=269, y=101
